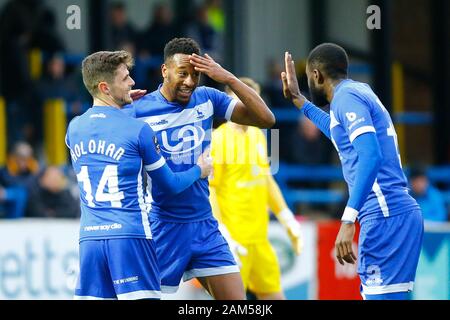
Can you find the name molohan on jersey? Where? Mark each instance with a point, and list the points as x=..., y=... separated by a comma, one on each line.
x=96, y=147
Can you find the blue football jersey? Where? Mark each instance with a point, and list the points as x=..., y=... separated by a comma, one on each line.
x=109, y=150
x=184, y=132
x=354, y=110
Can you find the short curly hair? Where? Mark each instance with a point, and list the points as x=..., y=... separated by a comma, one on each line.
x=180, y=45
x=329, y=58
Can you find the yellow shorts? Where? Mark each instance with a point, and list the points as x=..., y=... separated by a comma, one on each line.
x=260, y=270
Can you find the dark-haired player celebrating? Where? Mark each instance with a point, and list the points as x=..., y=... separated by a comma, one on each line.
x=189, y=243
x=362, y=132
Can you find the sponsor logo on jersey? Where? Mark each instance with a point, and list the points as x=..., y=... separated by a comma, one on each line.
x=98, y=115
x=351, y=116
x=182, y=140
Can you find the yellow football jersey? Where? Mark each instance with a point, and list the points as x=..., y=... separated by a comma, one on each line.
x=240, y=180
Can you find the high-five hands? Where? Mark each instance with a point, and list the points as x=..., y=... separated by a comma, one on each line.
x=291, y=89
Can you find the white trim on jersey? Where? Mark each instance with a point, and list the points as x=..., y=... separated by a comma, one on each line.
x=360, y=131
x=141, y=201
x=169, y=289
x=155, y=165
x=398, y=287
x=206, y=272
x=230, y=109
x=141, y=294
x=380, y=197
x=333, y=121
x=91, y=298
x=170, y=120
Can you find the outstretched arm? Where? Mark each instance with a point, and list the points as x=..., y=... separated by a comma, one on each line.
x=251, y=109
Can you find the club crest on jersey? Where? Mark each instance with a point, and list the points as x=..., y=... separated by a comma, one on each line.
x=351, y=116
x=182, y=140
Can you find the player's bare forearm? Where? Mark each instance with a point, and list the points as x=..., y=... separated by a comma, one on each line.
x=253, y=110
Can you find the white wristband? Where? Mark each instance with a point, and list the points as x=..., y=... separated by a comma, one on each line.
x=349, y=215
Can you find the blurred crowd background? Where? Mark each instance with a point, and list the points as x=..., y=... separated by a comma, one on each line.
x=406, y=61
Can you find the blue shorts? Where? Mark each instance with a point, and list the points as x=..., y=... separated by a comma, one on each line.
x=388, y=254
x=124, y=268
x=189, y=250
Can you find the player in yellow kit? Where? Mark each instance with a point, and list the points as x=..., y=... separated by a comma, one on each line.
x=242, y=190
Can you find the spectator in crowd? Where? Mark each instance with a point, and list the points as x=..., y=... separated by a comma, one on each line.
x=161, y=30
x=16, y=25
x=56, y=84
x=16, y=180
x=209, y=40
x=21, y=167
x=151, y=45
x=123, y=34
x=50, y=196
x=202, y=31
x=311, y=146
x=216, y=16
x=45, y=35
x=428, y=197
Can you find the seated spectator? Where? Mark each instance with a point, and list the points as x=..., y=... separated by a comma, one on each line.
x=311, y=146
x=21, y=167
x=429, y=197
x=160, y=31
x=51, y=197
x=57, y=84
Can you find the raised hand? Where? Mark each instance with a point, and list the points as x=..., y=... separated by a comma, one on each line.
x=291, y=89
x=211, y=68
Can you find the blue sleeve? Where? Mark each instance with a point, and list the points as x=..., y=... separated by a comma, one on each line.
x=369, y=161
x=319, y=117
x=130, y=110
x=157, y=168
x=222, y=103
x=353, y=114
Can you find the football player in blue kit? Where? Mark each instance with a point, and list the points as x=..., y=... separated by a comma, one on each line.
x=362, y=132
x=109, y=151
x=181, y=113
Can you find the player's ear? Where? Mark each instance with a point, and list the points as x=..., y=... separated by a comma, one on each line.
x=319, y=77
x=164, y=70
x=103, y=87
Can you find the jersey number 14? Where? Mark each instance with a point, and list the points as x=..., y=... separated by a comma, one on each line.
x=109, y=177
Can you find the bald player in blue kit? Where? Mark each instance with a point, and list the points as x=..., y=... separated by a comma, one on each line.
x=109, y=152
